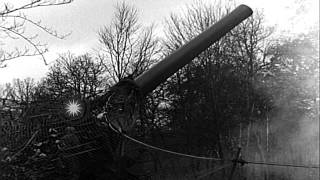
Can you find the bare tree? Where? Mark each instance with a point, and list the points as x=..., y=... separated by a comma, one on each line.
x=17, y=95
x=13, y=25
x=24, y=89
x=196, y=17
x=74, y=75
x=19, y=90
x=127, y=47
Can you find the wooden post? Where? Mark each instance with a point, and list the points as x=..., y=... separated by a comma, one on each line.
x=235, y=161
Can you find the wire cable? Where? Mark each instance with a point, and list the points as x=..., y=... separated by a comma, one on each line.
x=242, y=162
x=173, y=152
x=276, y=164
x=163, y=150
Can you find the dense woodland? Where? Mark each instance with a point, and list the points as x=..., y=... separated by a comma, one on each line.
x=253, y=89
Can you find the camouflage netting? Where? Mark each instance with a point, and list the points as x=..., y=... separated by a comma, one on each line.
x=55, y=146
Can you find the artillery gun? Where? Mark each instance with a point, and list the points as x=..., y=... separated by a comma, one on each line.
x=148, y=81
x=119, y=107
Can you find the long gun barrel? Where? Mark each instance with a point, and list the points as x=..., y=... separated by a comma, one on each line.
x=157, y=74
x=123, y=99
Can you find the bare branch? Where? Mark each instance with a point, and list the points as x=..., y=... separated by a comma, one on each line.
x=36, y=46
x=33, y=4
x=14, y=23
x=38, y=24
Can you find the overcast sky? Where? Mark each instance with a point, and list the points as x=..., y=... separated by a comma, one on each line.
x=84, y=18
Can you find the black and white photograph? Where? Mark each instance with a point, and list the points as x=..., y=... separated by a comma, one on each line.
x=159, y=90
